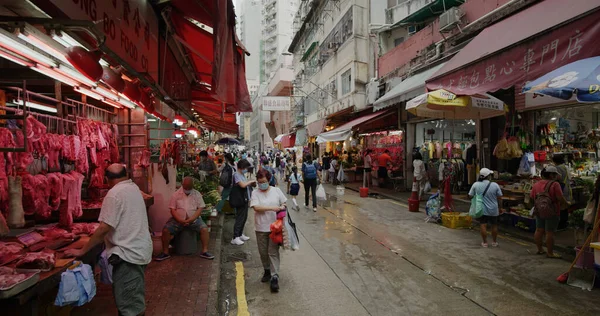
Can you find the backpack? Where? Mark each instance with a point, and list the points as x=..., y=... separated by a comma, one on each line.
x=226, y=179
x=544, y=204
x=310, y=171
x=476, y=210
x=273, y=180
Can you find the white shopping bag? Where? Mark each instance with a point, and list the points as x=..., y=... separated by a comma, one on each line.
x=321, y=196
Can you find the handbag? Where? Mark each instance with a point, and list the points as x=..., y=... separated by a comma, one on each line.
x=476, y=209
x=238, y=196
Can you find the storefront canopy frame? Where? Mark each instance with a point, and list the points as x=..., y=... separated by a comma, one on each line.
x=344, y=131
x=409, y=88
x=522, y=47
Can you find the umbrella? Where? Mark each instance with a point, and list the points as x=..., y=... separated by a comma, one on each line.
x=227, y=141
x=444, y=104
x=580, y=78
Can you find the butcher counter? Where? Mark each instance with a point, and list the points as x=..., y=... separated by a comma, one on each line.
x=41, y=295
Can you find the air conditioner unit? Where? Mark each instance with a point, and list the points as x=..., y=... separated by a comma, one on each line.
x=412, y=29
x=450, y=18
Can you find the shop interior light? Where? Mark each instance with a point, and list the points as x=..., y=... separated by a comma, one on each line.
x=89, y=93
x=14, y=58
x=151, y=120
x=112, y=103
x=104, y=62
x=34, y=105
x=553, y=119
x=127, y=103
x=178, y=134
x=55, y=75
x=40, y=40
x=9, y=41
x=69, y=72
x=106, y=93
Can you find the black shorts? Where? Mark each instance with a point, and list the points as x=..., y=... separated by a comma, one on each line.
x=382, y=173
x=485, y=219
x=367, y=170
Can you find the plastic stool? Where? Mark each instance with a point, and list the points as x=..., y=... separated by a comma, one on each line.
x=186, y=242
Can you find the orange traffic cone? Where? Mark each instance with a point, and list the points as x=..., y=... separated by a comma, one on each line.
x=413, y=201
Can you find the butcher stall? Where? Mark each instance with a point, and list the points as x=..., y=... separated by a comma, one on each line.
x=51, y=188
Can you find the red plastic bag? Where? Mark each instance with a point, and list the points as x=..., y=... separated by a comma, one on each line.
x=540, y=156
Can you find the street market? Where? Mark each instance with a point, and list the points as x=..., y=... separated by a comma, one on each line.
x=303, y=157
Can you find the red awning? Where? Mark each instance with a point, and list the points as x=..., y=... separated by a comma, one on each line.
x=199, y=44
x=523, y=47
x=387, y=121
x=218, y=58
x=288, y=141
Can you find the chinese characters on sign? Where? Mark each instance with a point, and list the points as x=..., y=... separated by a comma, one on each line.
x=276, y=104
x=526, y=62
x=130, y=26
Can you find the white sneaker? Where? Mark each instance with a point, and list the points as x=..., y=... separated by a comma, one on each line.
x=244, y=237
x=237, y=241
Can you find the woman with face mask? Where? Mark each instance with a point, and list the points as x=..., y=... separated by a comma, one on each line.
x=266, y=202
x=241, y=213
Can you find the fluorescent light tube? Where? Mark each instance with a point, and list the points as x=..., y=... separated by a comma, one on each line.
x=127, y=103
x=112, y=103
x=69, y=72
x=39, y=42
x=106, y=93
x=55, y=75
x=8, y=41
x=151, y=120
x=89, y=93
x=35, y=105
x=15, y=59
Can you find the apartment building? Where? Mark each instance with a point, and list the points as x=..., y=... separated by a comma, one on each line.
x=333, y=58
x=277, y=16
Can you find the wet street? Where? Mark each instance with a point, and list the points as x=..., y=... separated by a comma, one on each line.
x=368, y=256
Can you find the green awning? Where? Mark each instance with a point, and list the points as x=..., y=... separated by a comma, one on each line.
x=309, y=50
x=435, y=8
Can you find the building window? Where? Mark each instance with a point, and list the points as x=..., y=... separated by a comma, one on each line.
x=398, y=41
x=347, y=82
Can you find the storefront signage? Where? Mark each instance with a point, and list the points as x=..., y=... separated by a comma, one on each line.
x=130, y=27
x=276, y=104
x=528, y=61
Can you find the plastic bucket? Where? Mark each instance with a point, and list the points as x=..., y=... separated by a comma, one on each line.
x=586, y=260
x=596, y=247
x=156, y=243
x=364, y=192
x=413, y=205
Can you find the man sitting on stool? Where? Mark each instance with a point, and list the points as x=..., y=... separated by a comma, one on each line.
x=186, y=206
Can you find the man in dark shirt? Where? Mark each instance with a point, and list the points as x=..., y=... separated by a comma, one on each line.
x=207, y=165
x=326, y=163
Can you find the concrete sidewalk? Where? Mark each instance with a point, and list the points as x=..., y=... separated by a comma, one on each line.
x=564, y=240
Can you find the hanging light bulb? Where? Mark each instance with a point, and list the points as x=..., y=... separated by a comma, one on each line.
x=178, y=134
x=179, y=120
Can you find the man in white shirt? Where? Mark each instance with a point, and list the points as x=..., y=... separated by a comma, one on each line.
x=186, y=207
x=124, y=229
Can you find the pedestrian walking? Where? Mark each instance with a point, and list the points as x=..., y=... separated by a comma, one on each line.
x=491, y=193
x=564, y=180
x=250, y=170
x=226, y=180
x=294, y=182
x=241, y=186
x=420, y=173
x=124, y=230
x=266, y=202
x=368, y=167
x=326, y=164
x=384, y=160
x=311, y=177
x=332, y=166
x=548, y=199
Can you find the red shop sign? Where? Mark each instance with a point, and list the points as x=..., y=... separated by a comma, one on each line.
x=525, y=62
x=130, y=27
